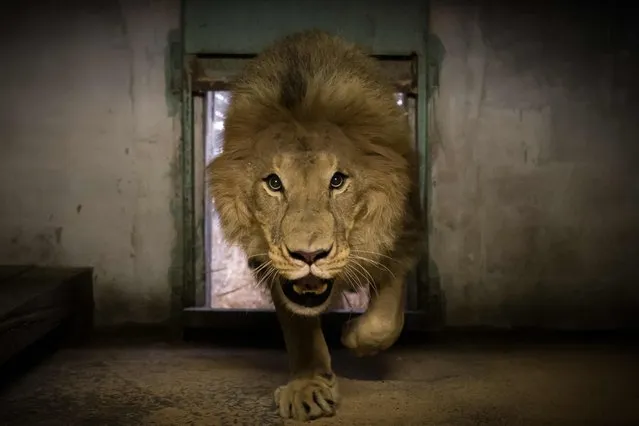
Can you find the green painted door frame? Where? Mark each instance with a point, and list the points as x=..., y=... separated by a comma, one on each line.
x=244, y=27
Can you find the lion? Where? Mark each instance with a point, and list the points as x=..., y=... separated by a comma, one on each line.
x=314, y=183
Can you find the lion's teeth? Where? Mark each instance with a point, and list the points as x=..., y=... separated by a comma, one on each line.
x=300, y=290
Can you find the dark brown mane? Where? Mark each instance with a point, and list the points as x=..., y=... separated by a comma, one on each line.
x=314, y=76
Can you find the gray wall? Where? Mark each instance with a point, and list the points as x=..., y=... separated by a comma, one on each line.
x=534, y=150
x=88, y=147
x=535, y=166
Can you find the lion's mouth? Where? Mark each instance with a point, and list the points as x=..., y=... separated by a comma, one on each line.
x=309, y=291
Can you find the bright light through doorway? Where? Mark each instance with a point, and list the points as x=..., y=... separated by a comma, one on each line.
x=229, y=280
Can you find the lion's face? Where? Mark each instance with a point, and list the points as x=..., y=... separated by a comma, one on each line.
x=310, y=208
x=306, y=204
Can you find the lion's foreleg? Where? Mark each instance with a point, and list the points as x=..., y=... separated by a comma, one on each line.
x=380, y=326
x=312, y=390
x=307, y=350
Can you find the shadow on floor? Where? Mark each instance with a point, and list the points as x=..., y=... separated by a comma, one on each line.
x=448, y=381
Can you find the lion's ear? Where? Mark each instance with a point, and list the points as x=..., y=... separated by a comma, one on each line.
x=229, y=186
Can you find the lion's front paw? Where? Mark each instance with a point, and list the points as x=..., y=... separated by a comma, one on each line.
x=370, y=333
x=308, y=398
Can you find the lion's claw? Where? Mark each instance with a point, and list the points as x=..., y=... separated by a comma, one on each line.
x=308, y=398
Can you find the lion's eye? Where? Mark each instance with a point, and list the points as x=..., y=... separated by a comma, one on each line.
x=274, y=183
x=338, y=180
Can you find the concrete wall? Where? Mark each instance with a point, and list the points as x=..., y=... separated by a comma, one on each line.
x=535, y=167
x=534, y=155
x=88, y=147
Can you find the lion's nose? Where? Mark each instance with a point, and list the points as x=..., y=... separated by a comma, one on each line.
x=309, y=257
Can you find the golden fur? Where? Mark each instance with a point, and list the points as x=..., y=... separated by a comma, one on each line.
x=308, y=107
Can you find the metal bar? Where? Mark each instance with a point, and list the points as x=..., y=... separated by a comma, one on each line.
x=216, y=73
x=199, y=199
x=424, y=170
x=208, y=204
x=188, y=225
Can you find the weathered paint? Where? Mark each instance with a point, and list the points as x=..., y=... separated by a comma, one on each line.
x=88, y=143
x=173, y=71
x=534, y=165
x=384, y=26
x=175, y=274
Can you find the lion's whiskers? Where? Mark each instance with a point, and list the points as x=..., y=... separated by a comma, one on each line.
x=376, y=264
x=374, y=253
x=264, y=276
x=353, y=277
x=368, y=278
x=362, y=271
x=358, y=284
x=271, y=278
x=256, y=255
x=350, y=275
x=262, y=267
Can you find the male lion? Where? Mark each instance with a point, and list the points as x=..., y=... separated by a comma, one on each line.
x=314, y=184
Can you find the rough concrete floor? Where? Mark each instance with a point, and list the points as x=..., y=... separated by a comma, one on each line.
x=458, y=385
